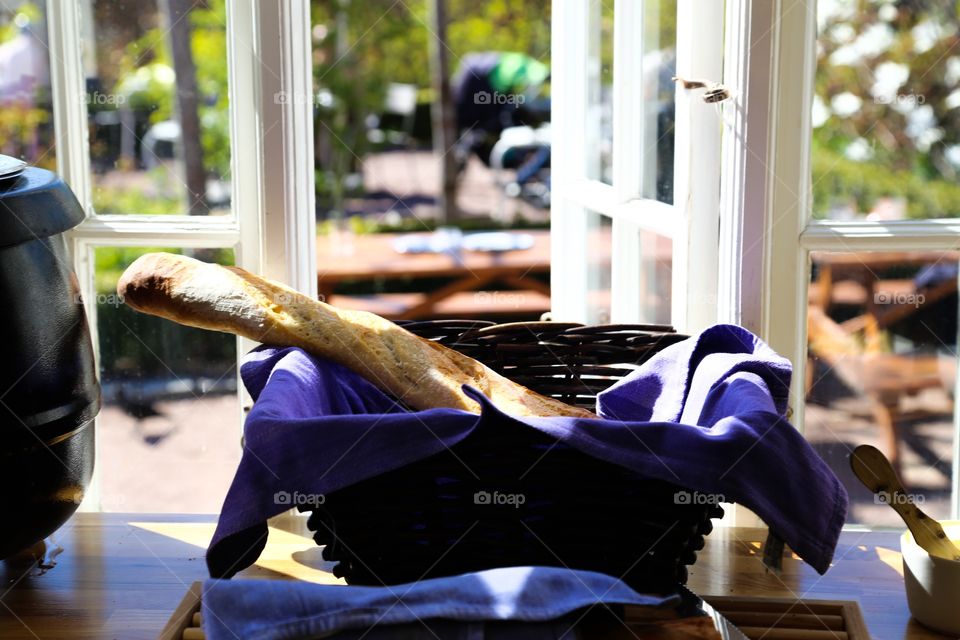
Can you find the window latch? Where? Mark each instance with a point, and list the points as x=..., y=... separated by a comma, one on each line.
x=714, y=93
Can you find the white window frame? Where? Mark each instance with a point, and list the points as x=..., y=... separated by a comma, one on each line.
x=761, y=256
x=272, y=226
x=691, y=222
x=770, y=232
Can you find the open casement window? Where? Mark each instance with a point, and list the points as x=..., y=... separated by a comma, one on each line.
x=262, y=218
x=876, y=281
x=846, y=239
x=636, y=181
x=635, y=163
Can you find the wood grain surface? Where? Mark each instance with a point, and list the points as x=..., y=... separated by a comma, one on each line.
x=122, y=576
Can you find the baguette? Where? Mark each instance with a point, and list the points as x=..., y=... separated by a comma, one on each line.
x=421, y=373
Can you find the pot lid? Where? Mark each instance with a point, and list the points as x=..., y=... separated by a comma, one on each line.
x=34, y=203
x=11, y=167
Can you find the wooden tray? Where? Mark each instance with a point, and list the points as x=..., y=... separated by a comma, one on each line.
x=766, y=618
x=186, y=623
x=788, y=619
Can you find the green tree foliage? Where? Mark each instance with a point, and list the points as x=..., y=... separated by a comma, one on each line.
x=361, y=47
x=31, y=11
x=887, y=122
x=25, y=125
x=387, y=41
x=145, y=77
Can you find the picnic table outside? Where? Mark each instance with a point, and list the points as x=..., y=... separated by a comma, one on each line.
x=856, y=348
x=487, y=284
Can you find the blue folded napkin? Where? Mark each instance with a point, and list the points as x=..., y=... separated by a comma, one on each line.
x=705, y=413
x=284, y=609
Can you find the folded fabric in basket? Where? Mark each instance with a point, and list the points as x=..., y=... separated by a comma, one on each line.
x=705, y=413
x=285, y=610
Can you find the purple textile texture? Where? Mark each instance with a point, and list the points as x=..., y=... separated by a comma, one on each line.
x=705, y=413
x=289, y=609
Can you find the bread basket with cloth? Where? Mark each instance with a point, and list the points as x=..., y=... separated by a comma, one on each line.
x=421, y=461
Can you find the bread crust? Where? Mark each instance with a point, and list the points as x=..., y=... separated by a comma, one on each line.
x=421, y=373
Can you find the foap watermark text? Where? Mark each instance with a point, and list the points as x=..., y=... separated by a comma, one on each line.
x=499, y=499
x=695, y=497
x=897, y=497
x=894, y=297
x=297, y=499
x=495, y=97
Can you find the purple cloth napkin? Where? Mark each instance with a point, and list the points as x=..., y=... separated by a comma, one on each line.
x=290, y=609
x=705, y=414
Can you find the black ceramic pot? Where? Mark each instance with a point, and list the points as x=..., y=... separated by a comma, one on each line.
x=49, y=392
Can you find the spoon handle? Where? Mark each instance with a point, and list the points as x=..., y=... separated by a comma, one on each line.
x=876, y=473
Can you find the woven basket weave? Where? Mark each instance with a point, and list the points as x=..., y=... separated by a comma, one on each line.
x=516, y=496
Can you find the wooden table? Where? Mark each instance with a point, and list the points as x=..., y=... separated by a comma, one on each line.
x=121, y=576
x=853, y=279
x=479, y=280
x=859, y=271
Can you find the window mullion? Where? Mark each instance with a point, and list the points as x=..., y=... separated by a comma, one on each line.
x=270, y=80
x=630, y=159
x=68, y=89
x=68, y=93
x=246, y=168
x=749, y=64
x=696, y=169
x=906, y=235
x=84, y=266
x=571, y=25
x=629, y=117
x=271, y=107
x=790, y=130
x=180, y=231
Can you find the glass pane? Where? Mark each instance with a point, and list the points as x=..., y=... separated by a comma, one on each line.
x=169, y=431
x=886, y=138
x=26, y=112
x=157, y=106
x=599, y=124
x=659, y=67
x=372, y=93
x=882, y=366
x=656, y=277
x=387, y=244
x=599, y=252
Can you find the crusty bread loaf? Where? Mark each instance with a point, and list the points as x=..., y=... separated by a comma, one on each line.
x=419, y=372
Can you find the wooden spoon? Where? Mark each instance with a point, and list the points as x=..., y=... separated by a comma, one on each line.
x=876, y=473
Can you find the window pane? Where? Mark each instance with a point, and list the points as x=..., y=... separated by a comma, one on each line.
x=882, y=340
x=599, y=124
x=656, y=278
x=886, y=138
x=659, y=67
x=157, y=106
x=169, y=431
x=599, y=251
x=26, y=113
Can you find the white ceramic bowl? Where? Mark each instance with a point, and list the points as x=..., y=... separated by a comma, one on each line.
x=933, y=584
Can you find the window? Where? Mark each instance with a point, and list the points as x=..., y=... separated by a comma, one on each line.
x=26, y=110
x=884, y=160
x=856, y=249
x=157, y=107
x=634, y=233
x=842, y=121
x=646, y=227
x=154, y=167
x=170, y=400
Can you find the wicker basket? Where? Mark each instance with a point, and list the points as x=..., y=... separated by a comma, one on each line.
x=459, y=510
